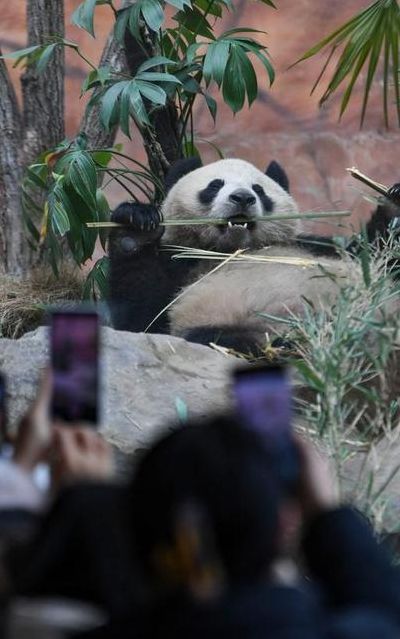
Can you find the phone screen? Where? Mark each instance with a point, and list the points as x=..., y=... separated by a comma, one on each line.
x=263, y=398
x=75, y=367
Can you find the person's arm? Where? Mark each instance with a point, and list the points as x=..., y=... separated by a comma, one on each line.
x=345, y=558
x=339, y=546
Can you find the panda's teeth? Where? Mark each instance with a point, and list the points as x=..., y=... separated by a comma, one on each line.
x=230, y=225
x=245, y=225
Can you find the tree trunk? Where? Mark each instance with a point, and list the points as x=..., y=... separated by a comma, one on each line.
x=43, y=95
x=13, y=246
x=40, y=126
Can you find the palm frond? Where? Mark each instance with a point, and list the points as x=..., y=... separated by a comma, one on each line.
x=368, y=38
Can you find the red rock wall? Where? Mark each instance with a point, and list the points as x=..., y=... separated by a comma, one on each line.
x=285, y=123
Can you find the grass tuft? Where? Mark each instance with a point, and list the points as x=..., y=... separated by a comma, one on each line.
x=23, y=303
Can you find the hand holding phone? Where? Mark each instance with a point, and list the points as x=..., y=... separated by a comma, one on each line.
x=75, y=366
x=264, y=403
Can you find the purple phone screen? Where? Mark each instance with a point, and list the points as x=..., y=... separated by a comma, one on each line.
x=263, y=400
x=74, y=347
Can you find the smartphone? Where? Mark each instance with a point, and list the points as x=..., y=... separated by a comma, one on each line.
x=3, y=410
x=263, y=398
x=75, y=366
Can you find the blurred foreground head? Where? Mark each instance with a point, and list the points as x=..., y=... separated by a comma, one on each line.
x=204, y=507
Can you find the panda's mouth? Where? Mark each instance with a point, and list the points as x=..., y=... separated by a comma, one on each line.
x=237, y=221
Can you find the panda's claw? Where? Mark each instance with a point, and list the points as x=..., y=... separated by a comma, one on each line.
x=393, y=194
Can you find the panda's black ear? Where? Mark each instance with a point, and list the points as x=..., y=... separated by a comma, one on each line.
x=278, y=174
x=180, y=168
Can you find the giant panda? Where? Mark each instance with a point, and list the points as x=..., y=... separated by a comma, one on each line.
x=149, y=290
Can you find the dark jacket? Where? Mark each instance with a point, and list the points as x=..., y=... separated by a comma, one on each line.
x=352, y=592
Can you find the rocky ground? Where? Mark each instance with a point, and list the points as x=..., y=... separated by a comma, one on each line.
x=151, y=381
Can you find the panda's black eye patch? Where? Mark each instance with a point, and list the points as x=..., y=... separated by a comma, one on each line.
x=207, y=195
x=266, y=201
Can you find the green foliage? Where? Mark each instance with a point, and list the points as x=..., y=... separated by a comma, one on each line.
x=66, y=180
x=347, y=369
x=366, y=39
x=61, y=191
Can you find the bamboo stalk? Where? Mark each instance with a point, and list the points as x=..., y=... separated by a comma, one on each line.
x=183, y=252
x=207, y=220
x=380, y=188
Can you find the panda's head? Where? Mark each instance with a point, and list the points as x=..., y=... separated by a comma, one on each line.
x=235, y=191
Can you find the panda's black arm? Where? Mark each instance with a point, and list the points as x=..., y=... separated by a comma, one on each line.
x=143, y=278
x=377, y=229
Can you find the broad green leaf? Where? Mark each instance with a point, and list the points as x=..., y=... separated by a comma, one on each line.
x=209, y=8
x=154, y=76
x=152, y=13
x=212, y=105
x=269, y=3
x=102, y=157
x=152, y=92
x=134, y=20
x=83, y=178
x=137, y=108
x=121, y=24
x=248, y=74
x=57, y=214
x=179, y=4
x=103, y=215
x=96, y=284
x=124, y=110
x=267, y=65
x=230, y=32
x=215, y=61
x=234, y=88
x=195, y=23
x=83, y=16
x=109, y=103
x=21, y=53
x=157, y=61
x=38, y=173
x=44, y=58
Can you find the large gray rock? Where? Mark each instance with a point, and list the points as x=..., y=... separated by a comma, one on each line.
x=147, y=380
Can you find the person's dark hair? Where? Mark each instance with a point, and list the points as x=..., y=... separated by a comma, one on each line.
x=225, y=470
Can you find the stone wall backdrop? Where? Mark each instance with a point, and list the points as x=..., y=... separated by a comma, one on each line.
x=285, y=123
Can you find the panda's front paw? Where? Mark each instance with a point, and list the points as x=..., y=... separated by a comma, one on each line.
x=141, y=224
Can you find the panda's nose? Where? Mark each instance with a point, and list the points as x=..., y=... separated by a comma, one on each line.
x=242, y=198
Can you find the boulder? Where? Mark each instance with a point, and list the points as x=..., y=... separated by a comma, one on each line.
x=148, y=381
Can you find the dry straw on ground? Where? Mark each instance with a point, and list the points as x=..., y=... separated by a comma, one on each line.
x=23, y=303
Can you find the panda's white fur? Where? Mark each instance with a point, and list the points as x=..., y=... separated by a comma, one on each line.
x=237, y=293
x=182, y=203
